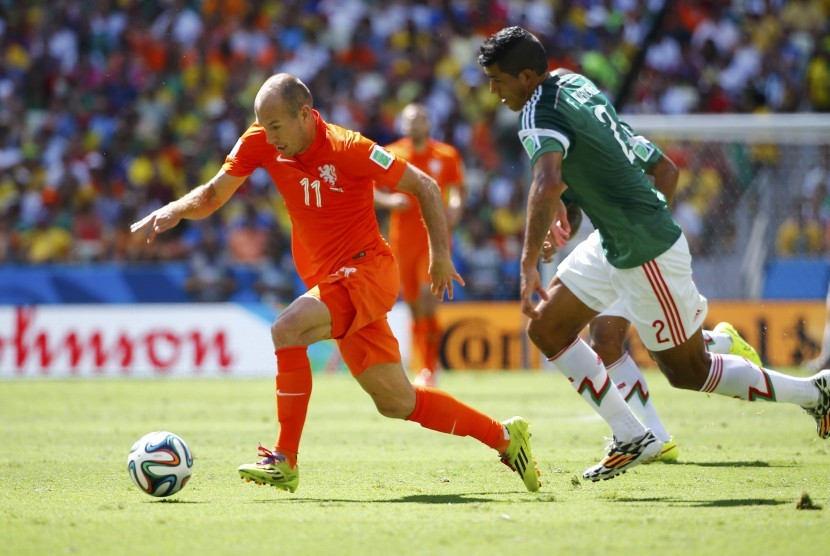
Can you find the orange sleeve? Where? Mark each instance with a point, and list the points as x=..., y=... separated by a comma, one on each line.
x=368, y=160
x=246, y=155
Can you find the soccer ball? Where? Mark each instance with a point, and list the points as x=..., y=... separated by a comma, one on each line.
x=160, y=463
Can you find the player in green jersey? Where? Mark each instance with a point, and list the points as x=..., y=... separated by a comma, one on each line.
x=610, y=328
x=638, y=256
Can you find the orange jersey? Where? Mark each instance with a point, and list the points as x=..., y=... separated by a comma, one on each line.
x=443, y=163
x=327, y=190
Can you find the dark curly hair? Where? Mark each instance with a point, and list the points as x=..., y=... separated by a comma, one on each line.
x=514, y=49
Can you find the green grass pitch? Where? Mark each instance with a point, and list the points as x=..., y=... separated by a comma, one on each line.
x=371, y=485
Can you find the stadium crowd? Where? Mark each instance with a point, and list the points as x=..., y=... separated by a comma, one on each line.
x=111, y=108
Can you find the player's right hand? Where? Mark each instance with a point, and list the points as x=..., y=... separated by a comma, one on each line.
x=443, y=272
x=158, y=221
x=531, y=282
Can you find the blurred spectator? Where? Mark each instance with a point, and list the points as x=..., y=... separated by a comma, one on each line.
x=482, y=262
x=800, y=234
x=10, y=242
x=46, y=242
x=209, y=278
x=88, y=230
x=275, y=278
x=248, y=236
x=508, y=224
x=818, y=77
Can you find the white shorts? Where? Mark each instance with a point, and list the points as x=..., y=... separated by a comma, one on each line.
x=617, y=309
x=659, y=297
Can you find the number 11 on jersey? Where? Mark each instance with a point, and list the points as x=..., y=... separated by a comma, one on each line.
x=315, y=185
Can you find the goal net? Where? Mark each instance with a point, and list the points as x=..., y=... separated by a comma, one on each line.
x=753, y=192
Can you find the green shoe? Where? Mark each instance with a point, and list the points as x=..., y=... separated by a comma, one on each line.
x=739, y=345
x=518, y=456
x=272, y=470
x=669, y=452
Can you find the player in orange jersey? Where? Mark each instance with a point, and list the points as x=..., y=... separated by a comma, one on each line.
x=325, y=175
x=408, y=236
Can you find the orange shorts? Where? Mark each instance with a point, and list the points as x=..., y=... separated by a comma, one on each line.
x=414, y=265
x=359, y=296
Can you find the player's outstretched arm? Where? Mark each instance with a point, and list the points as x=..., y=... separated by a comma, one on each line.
x=543, y=203
x=198, y=203
x=425, y=190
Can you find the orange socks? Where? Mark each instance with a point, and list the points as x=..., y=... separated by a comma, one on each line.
x=426, y=343
x=433, y=343
x=293, y=393
x=419, y=344
x=439, y=411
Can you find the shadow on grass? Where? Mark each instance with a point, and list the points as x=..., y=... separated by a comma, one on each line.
x=731, y=464
x=471, y=498
x=173, y=501
x=726, y=503
x=450, y=498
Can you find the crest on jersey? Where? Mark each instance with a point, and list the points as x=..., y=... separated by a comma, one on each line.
x=381, y=157
x=642, y=148
x=530, y=146
x=328, y=174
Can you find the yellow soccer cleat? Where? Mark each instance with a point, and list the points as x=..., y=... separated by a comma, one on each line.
x=518, y=456
x=669, y=452
x=271, y=470
x=739, y=346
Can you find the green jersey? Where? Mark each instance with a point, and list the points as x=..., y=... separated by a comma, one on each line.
x=602, y=165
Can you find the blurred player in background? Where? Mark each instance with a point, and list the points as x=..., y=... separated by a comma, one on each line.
x=408, y=236
x=325, y=175
x=610, y=328
x=638, y=255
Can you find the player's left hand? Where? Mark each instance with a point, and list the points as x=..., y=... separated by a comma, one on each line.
x=531, y=282
x=158, y=221
x=443, y=272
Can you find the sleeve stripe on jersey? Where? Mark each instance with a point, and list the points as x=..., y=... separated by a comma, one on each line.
x=529, y=128
x=529, y=114
x=536, y=133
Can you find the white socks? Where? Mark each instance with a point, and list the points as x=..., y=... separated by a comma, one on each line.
x=587, y=374
x=633, y=388
x=734, y=376
x=717, y=342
